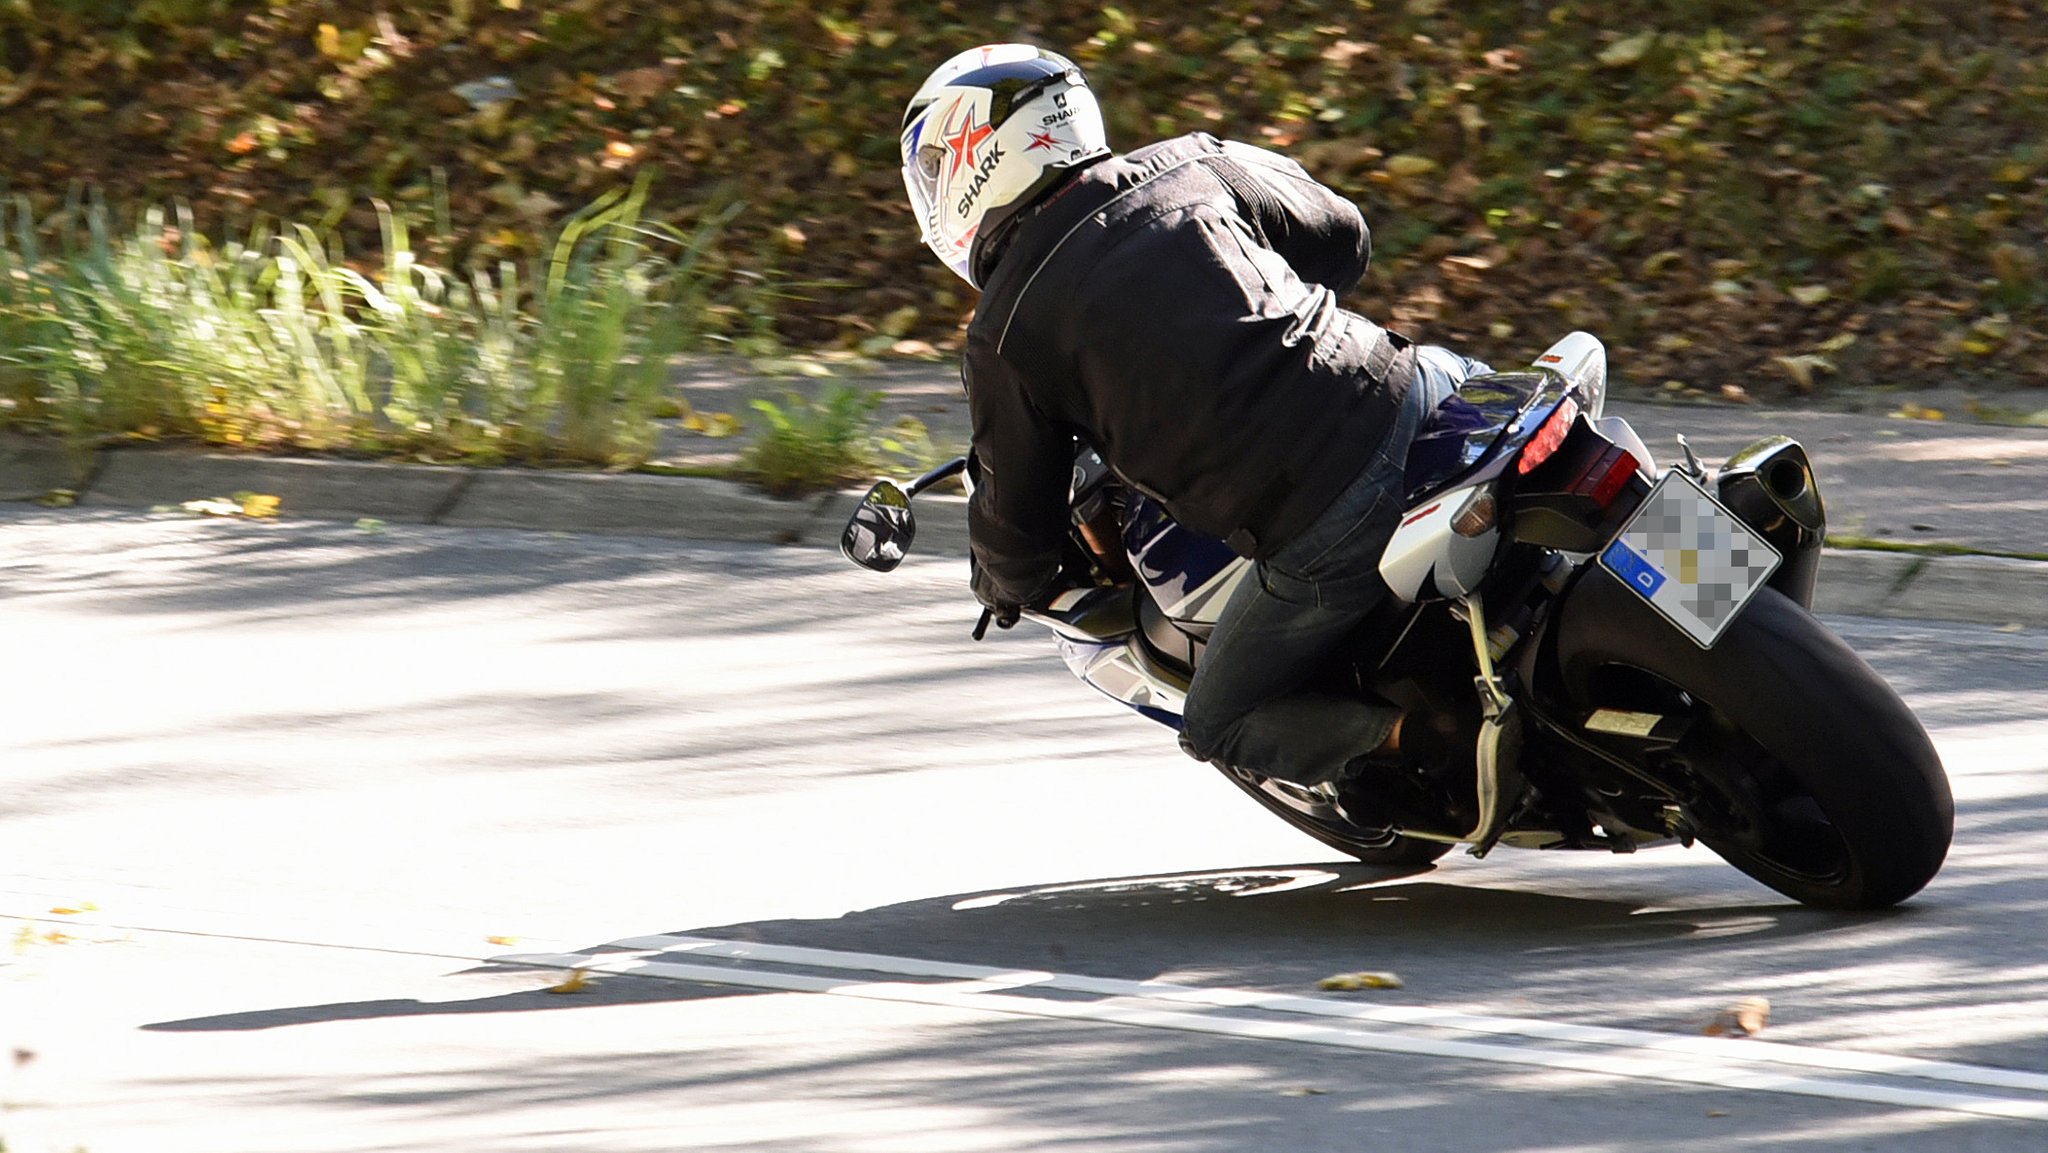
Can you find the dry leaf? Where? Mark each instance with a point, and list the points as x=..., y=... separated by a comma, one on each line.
x=1912, y=411
x=577, y=981
x=1630, y=52
x=260, y=505
x=502, y=940
x=1802, y=369
x=1408, y=166
x=1350, y=982
x=1745, y=1018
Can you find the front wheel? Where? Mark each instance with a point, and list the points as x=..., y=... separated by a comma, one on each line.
x=1315, y=814
x=1799, y=765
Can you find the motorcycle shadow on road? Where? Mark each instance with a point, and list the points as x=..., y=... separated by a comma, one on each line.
x=1271, y=928
x=740, y=1067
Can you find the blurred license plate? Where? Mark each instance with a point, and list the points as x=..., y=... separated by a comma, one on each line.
x=1690, y=558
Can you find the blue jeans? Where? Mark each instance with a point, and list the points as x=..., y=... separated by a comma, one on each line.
x=1248, y=705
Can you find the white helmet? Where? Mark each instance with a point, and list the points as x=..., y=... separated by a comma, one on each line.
x=989, y=130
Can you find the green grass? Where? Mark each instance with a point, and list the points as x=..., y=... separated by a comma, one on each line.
x=275, y=341
x=810, y=443
x=1930, y=548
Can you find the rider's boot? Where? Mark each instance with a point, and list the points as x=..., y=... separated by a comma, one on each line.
x=1424, y=775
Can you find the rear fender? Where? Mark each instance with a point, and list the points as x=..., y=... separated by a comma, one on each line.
x=1562, y=505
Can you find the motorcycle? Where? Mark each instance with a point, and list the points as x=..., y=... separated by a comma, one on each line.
x=1634, y=643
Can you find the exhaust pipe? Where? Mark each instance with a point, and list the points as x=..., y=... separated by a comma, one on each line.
x=1769, y=485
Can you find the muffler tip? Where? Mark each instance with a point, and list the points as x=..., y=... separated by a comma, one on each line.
x=1787, y=479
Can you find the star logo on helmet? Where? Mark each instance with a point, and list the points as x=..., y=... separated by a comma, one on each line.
x=1041, y=140
x=962, y=142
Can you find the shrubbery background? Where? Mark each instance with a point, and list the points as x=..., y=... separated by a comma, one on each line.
x=1780, y=195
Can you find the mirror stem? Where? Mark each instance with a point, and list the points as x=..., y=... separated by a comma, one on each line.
x=951, y=468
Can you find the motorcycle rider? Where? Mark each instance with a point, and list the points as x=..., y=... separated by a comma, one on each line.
x=1176, y=307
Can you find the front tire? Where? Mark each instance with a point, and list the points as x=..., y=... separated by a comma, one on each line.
x=1801, y=767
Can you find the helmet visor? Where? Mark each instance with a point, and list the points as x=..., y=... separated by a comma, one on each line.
x=924, y=171
x=922, y=163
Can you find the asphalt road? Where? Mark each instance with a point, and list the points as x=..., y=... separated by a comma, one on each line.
x=311, y=794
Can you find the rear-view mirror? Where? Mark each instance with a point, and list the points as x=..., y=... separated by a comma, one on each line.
x=878, y=535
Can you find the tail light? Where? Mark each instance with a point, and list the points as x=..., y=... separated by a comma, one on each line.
x=1549, y=437
x=1608, y=475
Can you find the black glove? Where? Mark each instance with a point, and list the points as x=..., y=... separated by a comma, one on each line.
x=997, y=602
x=986, y=591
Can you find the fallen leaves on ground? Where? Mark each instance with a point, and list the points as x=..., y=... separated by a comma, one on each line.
x=1745, y=1018
x=716, y=425
x=1802, y=369
x=576, y=982
x=1604, y=146
x=1912, y=411
x=1352, y=982
x=259, y=505
x=252, y=505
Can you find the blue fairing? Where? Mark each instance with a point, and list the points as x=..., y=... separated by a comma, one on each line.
x=1172, y=561
x=1466, y=424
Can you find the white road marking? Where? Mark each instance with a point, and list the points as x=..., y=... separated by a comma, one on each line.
x=1906, y=1082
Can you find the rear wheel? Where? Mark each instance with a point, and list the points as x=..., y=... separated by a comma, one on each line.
x=1313, y=812
x=1799, y=765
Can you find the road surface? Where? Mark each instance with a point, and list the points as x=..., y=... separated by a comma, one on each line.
x=300, y=824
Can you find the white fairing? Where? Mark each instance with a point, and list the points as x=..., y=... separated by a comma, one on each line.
x=1203, y=605
x=1581, y=359
x=1119, y=673
x=1425, y=559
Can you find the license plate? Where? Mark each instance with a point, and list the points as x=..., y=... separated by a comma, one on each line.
x=1691, y=559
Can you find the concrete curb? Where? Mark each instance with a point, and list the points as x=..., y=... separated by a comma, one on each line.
x=635, y=505
x=323, y=489
x=1969, y=589
x=30, y=469
x=1985, y=590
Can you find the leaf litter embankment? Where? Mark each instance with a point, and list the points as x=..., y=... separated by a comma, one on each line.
x=1780, y=197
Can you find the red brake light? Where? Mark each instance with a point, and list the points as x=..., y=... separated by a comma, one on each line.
x=1547, y=439
x=1608, y=476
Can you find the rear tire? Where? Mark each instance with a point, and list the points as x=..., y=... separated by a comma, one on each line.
x=1802, y=767
x=1313, y=814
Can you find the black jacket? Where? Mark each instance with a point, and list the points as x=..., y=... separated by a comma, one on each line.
x=1176, y=307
